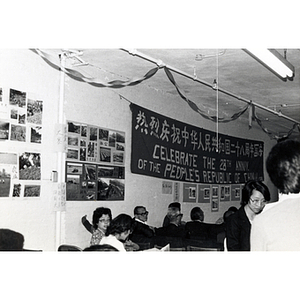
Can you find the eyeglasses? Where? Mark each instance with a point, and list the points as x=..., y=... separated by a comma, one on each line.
x=143, y=213
x=104, y=220
x=258, y=201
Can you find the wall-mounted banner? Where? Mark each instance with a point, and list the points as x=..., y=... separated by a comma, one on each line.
x=166, y=148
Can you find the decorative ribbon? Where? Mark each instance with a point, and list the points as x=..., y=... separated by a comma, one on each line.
x=271, y=134
x=55, y=62
x=250, y=117
x=198, y=110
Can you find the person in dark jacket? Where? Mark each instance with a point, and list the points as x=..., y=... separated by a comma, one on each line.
x=173, y=208
x=238, y=228
x=196, y=228
x=142, y=232
x=173, y=229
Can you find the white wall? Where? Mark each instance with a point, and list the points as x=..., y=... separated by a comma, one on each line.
x=101, y=107
x=23, y=70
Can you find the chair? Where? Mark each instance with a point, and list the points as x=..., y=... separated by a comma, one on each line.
x=195, y=248
x=178, y=249
x=34, y=250
x=175, y=242
x=207, y=244
x=68, y=248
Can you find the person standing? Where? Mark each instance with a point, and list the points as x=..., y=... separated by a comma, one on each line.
x=278, y=228
x=254, y=196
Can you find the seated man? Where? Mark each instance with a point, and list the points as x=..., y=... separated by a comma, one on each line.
x=173, y=207
x=196, y=228
x=172, y=233
x=142, y=232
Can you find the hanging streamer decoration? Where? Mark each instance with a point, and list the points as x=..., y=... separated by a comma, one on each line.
x=54, y=62
x=198, y=110
x=271, y=134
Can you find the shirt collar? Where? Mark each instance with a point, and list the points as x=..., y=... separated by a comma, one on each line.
x=140, y=221
x=283, y=197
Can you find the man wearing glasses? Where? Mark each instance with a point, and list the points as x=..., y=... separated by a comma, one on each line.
x=142, y=232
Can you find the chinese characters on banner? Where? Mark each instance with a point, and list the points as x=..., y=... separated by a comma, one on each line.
x=166, y=148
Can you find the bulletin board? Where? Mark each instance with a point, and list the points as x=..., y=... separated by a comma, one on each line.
x=95, y=163
x=20, y=128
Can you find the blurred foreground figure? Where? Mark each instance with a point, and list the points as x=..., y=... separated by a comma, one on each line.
x=11, y=240
x=278, y=228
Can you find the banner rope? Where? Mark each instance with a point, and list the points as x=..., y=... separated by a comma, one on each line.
x=54, y=62
x=200, y=111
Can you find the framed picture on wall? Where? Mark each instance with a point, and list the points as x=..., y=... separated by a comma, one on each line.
x=189, y=192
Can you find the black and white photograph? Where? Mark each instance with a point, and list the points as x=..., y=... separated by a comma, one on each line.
x=35, y=111
x=30, y=166
x=32, y=190
x=18, y=133
x=4, y=130
x=17, y=98
x=36, y=134
x=73, y=127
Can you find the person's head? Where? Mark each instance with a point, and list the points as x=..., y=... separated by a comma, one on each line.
x=173, y=208
x=232, y=208
x=121, y=226
x=255, y=194
x=104, y=247
x=197, y=214
x=283, y=166
x=175, y=205
x=11, y=240
x=141, y=213
x=227, y=214
x=101, y=218
x=175, y=217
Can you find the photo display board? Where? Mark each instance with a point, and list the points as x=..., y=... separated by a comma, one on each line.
x=95, y=163
x=21, y=115
x=166, y=148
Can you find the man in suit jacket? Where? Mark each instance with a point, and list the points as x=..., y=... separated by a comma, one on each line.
x=173, y=233
x=142, y=232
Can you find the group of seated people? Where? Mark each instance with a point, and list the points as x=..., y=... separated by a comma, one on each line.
x=124, y=233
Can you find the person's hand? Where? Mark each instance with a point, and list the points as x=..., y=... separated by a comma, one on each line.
x=131, y=246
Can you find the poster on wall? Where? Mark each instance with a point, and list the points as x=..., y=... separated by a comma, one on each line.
x=166, y=148
x=204, y=193
x=166, y=187
x=95, y=163
x=215, y=189
x=236, y=192
x=189, y=192
x=225, y=193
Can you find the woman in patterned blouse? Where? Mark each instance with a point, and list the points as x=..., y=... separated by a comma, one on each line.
x=101, y=220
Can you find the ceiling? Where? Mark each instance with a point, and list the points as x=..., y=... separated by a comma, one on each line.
x=235, y=70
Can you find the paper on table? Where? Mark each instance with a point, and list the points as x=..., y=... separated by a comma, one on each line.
x=165, y=248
